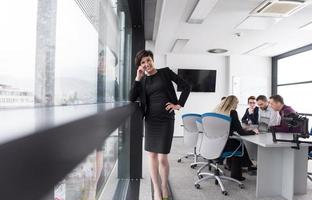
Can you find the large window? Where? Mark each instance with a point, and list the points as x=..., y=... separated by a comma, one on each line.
x=63, y=52
x=294, y=80
x=18, y=22
x=76, y=56
x=55, y=52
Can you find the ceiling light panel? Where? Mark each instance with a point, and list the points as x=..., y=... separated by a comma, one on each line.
x=178, y=45
x=201, y=10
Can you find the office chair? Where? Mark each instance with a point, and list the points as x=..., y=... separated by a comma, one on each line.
x=191, y=137
x=209, y=164
x=215, y=135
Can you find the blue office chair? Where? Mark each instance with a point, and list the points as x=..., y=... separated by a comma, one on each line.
x=192, y=137
x=215, y=135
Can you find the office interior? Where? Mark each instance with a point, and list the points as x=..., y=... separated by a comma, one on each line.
x=69, y=132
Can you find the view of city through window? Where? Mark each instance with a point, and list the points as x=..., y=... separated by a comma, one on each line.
x=61, y=53
x=17, y=53
x=55, y=53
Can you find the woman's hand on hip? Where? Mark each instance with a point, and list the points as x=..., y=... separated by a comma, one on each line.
x=170, y=107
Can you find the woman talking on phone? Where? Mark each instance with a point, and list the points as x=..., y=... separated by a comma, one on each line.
x=154, y=88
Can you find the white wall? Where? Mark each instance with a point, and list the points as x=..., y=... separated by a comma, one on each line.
x=252, y=75
x=200, y=102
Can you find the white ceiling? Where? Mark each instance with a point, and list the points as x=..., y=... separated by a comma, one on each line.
x=218, y=29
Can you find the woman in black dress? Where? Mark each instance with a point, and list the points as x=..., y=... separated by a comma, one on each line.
x=154, y=88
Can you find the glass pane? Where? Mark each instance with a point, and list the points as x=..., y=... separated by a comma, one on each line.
x=297, y=96
x=296, y=68
x=76, y=56
x=111, y=74
x=18, y=22
x=87, y=180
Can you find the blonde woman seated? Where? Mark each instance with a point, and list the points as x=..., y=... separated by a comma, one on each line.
x=228, y=107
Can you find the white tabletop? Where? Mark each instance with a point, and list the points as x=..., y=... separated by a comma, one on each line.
x=265, y=140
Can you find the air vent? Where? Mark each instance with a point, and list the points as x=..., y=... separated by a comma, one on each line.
x=279, y=8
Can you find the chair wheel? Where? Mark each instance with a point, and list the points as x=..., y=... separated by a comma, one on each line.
x=197, y=186
x=225, y=193
x=216, y=182
x=179, y=160
x=209, y=168
x=185, y=156
x=193, y=166
x=199, y=176
x=241, y=186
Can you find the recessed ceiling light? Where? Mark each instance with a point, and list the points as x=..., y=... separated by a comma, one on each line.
x=217, y=50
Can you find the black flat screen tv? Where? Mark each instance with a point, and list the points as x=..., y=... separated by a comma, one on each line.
x=200, y=80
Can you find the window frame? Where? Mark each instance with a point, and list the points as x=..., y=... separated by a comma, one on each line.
x=275, y=60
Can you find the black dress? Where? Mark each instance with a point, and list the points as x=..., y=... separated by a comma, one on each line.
x=153, y=92
x=159, y=123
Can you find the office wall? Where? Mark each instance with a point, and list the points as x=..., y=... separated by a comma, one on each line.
x=199, y=102
x=249, y=75
x=239, y=75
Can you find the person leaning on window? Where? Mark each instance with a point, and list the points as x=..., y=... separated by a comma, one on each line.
x=251, y=115
x=228, y=107
x=154, y=88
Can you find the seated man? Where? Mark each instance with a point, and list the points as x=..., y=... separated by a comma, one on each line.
x=267, y=116
x=277, y=103
x=251, y=114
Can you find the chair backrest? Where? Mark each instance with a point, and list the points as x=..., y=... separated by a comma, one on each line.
x=200, y=129
x=190, y=131
x=199, y=124
x=216, y=128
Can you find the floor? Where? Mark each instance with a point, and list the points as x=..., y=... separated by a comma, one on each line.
x=182, y=179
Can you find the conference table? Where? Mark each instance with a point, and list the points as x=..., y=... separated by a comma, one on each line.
x=281, y=170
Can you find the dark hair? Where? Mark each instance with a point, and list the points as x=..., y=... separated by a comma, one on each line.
x=141, y=54
x=223, y=98
x=251, y=98
x=262, y=98
x=277, y=98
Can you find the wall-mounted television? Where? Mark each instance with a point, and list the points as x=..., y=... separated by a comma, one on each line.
x=200, y=80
